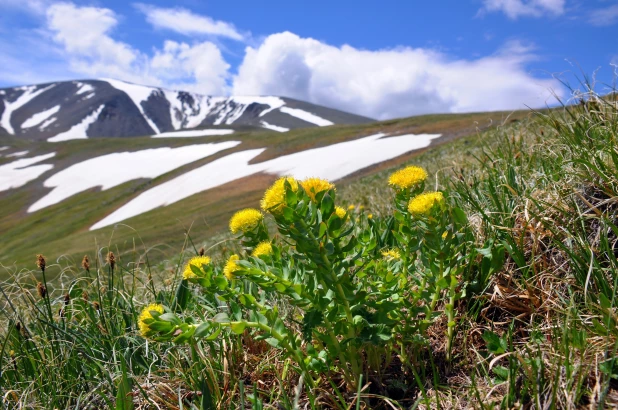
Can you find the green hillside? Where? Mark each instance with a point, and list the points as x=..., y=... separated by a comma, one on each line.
x=61, y=230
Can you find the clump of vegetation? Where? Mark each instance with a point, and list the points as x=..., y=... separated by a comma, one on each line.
x=494, y=289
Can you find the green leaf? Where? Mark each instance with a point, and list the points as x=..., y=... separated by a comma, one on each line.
x=238, y=327
x=221, y=282
x=182, y=296
x=495, y=344
x=311, y=320
x=328, y=205
x=221, y=318
x=124, y=399
x=501, y=372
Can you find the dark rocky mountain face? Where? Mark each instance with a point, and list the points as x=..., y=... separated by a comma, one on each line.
x=111, y=108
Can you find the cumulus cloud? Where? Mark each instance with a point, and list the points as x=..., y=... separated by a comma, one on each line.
x=390, y=83
x=525, y=8
x=604, y=17
x=85, y=35
x=186, y=22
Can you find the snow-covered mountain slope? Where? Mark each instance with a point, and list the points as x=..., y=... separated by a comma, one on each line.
x=110, y=108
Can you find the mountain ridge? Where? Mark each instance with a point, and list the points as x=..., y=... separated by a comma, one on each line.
x=81, y=109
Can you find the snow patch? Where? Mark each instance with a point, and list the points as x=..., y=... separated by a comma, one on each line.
x=78, y=131
x=89, y=96
x=273, y=127
x=193, y=133
x=3, y=148
x=17, y=154
x=38, y=118
x=46, y=123
x=306, y=116
x=83, y=88
x=331, y=162
x=28, y=95
x=111, y=170
x=19, y=173
x=137, y=94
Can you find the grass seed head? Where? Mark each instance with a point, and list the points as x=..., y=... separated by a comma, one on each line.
x=40, y=262
x=111, y=259
x=41, y=290
x=86, y=263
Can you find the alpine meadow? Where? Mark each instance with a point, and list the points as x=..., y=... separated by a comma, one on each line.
x=406, y=217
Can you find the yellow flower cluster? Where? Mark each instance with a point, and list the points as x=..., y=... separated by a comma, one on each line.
x=245, y=220
x=196, y=261
x=407, y=177
x=274, y=197
x=340, y=212
x=231, y=266
x=391, y=254
x=263, y=249
x=423, y=203
x=144, y=328
x=314, y=186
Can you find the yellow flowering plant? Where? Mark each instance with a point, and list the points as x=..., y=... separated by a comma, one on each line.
x=363, y=290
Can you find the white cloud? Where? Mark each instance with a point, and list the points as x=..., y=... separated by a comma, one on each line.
x=188, y=23
x=202, y=62
x=604, y=17
x=85, y=35
x=389, y=83
x=525, y=8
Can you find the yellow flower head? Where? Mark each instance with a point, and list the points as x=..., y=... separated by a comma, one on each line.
x=391, y=254
x=423, y=203
x=351, y=207
x=245, y=220
x=370, y=216
x=144, y=328
x=263, y=249
x=274, y=197
x=231, y=266
x=196, y=261
x=340, y=212
x=314, y=186
x=407, y=177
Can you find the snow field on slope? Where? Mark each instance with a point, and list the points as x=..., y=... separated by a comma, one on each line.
x=38, y=118
x=78, y=131
x=137, y=94
x=28, y=95
x=111, y=170
x=193, y=133
x=83, y=88
x=17, y=154
x=273, y=127
x=18, y=173
x=306, y=116
x=331, y=162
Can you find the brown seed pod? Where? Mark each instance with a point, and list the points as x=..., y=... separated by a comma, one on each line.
x=202, y=251
x=40, y=262
x=111, y=259
x=86, y=263
x=41, y=290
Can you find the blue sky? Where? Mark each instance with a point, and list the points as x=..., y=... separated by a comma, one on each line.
x=381, y=59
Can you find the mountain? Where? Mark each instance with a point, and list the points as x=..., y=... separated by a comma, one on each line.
x=69, y=110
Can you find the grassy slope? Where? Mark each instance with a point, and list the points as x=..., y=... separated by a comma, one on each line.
x=62, y=229
x=545, y=189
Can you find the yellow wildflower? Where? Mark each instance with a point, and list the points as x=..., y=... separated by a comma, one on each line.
x=370, y=216
x=314, y=186
x=407, y=177
x=196, y=261
x=144, y=328
x=245, y=220
x=423, y=203
x=444, y=234
x=231, y=266
x=362, y=207
x=391, y=254
x=274, y=197
x=340, y=212
x=351, y=207
x=262, y=249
